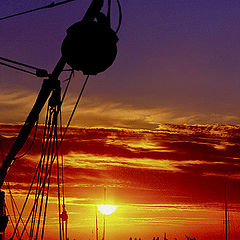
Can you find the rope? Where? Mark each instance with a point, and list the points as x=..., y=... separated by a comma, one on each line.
x=11, y=221
x=59, y=200
x=14, y=202
x=24, y=205
x=40, y=173
x=41, y=162
x=71, y=116
x=109, y=12
x=48, y=170
x=120, y=16
x=50, y=128
x=74, y=109
x=18, y=63
x=17, y=68
x=51, y=5
x=50, y=167
x=30, y=147
x=61, y=140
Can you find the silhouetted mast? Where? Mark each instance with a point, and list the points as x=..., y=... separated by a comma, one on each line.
x=77, y=52
x=104, y=217
x=96, y=225
x=226, y=217
x=47, y=88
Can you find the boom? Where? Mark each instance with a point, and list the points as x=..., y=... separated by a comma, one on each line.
x=47, y=87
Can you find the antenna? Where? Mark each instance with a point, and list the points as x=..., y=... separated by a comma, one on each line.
x=96, y=224
x=226, y=217
x=104, y=216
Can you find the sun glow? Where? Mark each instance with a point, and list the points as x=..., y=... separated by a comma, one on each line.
x=106, y=209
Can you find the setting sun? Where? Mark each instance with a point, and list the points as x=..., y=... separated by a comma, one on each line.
x=106, y=209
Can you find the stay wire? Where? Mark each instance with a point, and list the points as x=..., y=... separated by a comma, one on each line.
x=50, y=127
x=74, y=109
x=11, y=220
x=28, y=194
x=53, y=125
x=71, y=116
x=31, y=145
x=45, y=144
x=48, y=172
x=38, y=167
x=51, y=5
x=59, y=200
x=18, y=63
x=50, y=167
x=25, y=202
x=17, y=68
x=39, y=177
x=120, y=16
x=13, y=208
x=54, y=144
x=14, y=202
x=40, y=172
x=41, y=189
x=109, y=12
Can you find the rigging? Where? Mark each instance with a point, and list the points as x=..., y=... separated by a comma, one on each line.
x=51, y=5
x=90, y=46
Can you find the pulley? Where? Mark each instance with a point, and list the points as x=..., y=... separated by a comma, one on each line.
x=90, y=46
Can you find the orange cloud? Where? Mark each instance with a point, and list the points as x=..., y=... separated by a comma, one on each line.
x=169, y=177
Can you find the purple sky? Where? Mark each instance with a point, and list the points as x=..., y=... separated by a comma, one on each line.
x=179, y=59
x=178, y=63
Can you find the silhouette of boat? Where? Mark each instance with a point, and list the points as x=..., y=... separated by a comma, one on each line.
x=89, y=46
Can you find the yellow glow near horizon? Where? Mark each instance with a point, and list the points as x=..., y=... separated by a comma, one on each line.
x=106, y=209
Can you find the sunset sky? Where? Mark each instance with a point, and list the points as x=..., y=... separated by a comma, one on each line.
x=159, y=129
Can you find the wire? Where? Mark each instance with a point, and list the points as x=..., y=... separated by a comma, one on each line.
x=120, y=16
x=40, y=189
x=8, y=212
x=74, y=109
x=30, y=147
x=53, y=4
x=18, y=63
x=109, y=12
x=48, y=170
x=17, y=68
x=39, y=72
x=14, y=204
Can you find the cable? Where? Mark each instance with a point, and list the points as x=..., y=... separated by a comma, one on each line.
x=39, y=72
x=18, y=63
x=52, y=160
x=74, y=109
x=8, y=212
x=16, y=68
x=47, y=136
x=109, y=12
x=37, y=9
x=120, y=16
x=34, y=138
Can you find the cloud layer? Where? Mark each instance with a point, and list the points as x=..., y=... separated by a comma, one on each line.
x=174, y=167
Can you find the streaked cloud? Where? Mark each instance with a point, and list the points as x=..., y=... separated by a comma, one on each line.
x=99, y=112
x=170, y=177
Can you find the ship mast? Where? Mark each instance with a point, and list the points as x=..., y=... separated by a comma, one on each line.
x=226, y=217
x=50, y=85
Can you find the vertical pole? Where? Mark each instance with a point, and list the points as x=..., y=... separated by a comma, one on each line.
x=66, y=230
x=226, y=217
x=96, y=225
x=104, y=217
x=63, y=234
x=104, y=226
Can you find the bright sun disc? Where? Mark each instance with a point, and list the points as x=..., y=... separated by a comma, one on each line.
x=106, y=209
